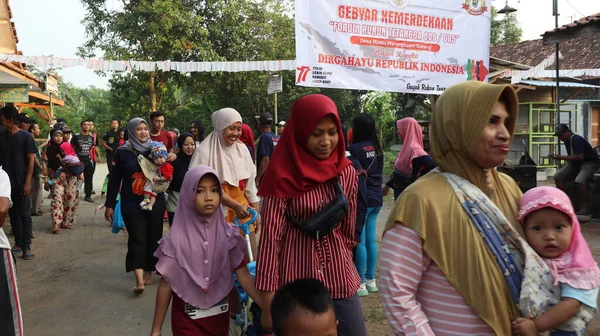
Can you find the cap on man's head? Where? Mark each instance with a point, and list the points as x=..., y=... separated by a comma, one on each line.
x=66, y=129
x=266, y=119
x=281, y=123
x=561, y=129
x=23, y=118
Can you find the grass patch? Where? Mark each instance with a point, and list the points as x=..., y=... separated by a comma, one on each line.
x=374, y=313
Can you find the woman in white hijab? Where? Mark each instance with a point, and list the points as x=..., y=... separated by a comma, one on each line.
x=223, y=151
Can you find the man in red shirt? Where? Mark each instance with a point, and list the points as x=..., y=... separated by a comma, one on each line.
x=157, y=132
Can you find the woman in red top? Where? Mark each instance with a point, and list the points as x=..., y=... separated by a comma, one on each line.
x=301, y=180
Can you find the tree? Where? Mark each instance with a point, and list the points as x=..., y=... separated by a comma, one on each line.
x=504, y=31
x=148, y=30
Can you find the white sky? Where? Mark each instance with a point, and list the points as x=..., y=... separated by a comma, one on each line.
x=53, y=27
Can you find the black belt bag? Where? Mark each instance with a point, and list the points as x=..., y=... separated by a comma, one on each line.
x=326, y=219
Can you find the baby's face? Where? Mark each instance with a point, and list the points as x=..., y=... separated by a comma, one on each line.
x=548, y=231
x=160, y=160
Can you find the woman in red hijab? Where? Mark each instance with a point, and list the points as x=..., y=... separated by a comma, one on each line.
x=302, y=179
x=247, y=138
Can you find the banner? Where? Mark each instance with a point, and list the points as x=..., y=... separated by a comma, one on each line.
x=413, y=46
x=185, y=67
x=14, y=93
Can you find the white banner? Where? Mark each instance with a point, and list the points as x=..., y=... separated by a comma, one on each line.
x=413, y=46
x=108, y=65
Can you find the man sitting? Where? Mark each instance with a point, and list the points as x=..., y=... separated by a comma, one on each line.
x=582, y=163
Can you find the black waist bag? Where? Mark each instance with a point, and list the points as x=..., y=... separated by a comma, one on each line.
x=326, y=219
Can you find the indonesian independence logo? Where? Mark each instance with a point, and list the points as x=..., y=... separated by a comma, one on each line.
x=399, y=3
x=475, y=7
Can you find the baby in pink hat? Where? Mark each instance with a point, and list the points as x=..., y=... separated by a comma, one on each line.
x=551, y=228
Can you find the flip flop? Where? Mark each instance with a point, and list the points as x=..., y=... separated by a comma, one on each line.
x=138, y=290
x=16, y=249
x=28, y=256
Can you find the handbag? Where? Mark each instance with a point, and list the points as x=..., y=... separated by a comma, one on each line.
x=118, y=224
x=327, y=219
x=401, y=181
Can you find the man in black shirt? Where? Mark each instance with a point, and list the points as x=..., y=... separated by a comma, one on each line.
x=110, y=142
x=17, y=149
x=582, y=163
x=83, y=144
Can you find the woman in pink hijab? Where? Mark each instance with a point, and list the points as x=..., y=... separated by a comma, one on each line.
x=412, y=160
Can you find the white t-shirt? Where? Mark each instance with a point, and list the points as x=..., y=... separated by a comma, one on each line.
x=4, y=192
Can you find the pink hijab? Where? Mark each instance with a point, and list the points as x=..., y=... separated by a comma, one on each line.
x=199, y=254
x=411, y=134
x=576, y=267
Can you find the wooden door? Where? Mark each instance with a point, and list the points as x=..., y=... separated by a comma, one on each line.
x=595, y=129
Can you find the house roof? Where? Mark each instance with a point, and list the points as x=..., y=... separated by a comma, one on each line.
x=575, y=25
x=579, y=51
x=562, y=84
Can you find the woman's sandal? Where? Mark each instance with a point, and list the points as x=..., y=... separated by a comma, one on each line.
x=138, y=289
x=68, y=227
x=28, y=256
x=148, y=279
x=55, y=230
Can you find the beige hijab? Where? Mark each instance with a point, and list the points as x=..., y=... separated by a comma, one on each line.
x=431, y=209
x=232, y=163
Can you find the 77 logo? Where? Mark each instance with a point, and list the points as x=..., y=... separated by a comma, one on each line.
x=302, y=73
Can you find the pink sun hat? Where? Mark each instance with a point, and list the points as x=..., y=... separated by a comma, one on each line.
x=576, y=267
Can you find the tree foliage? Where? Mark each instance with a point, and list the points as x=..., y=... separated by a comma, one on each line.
x=506, y=30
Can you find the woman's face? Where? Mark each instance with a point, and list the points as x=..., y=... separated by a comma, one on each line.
x=323, y=139
x=208, y=195
x=495, y=138
x=141, y=132
x=194, y=130
x=57, y=138
x=189, y=146
x=232, y=133
x=549, y=232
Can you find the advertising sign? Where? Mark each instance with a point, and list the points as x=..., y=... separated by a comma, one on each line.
x=14, y=93
x=413, y=46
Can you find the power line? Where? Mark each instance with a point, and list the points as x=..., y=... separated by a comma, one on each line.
x=574, y=8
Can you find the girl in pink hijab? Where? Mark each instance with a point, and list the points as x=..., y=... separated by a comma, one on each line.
x=197, y=259
x=552, y=229
x=412, y=160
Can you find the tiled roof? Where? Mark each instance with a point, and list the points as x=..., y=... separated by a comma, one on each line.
x=577, y=24
x=579, y=51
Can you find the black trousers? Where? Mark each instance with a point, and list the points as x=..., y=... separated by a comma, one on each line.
x=20, y=218
x=350, y=317
x=88, y=176
x=145, y=229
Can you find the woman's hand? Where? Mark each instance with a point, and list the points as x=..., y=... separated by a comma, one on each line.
x=524, y=327
x=257, y=223
x=242, y=211
x=156, y=179
x=385, y=190
x=109, y=214
x=171, y=157
x=265, y=318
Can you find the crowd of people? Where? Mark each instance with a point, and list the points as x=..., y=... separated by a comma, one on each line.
x=464, y=252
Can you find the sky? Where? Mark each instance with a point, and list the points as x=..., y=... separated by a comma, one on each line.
x=53, y=27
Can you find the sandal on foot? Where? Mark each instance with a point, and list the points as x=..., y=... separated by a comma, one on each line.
x=28, y=255
x=16, y=249
x=55, y=230
x=138, y=289
x=148, y=280
x=68, y=227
